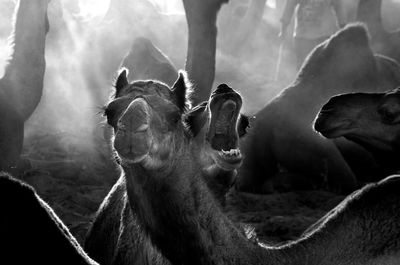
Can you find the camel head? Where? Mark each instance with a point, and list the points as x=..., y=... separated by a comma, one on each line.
x=372, y=120
x=147, y=120
x=217, y=125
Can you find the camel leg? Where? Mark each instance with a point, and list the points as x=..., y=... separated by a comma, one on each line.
x=201, y=18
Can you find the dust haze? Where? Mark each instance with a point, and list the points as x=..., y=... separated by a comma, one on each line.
x=88, y=39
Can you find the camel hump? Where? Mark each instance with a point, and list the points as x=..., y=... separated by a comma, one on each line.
x=146, y=61
x=355, y=34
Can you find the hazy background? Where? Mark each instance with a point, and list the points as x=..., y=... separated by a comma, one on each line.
x=89, y=38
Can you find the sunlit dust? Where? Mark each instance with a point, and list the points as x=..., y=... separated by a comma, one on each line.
x=93, y=8
x=271, y=4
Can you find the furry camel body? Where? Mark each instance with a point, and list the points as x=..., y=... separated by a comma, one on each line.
x=166, y=189
x=22, y=84
x=387, y=43
x=369, y=119
x=282, y=134
x=115, y=236
x=31, y=233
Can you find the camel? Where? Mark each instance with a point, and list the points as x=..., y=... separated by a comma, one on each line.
x=387, y=43
x=22, y=84
x=31, y=232
x=166, y=189
x=214, y=128
x=282, y=134
x=145, y=61
x=369, y=119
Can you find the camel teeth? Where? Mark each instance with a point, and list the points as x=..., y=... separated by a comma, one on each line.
x=230, y=153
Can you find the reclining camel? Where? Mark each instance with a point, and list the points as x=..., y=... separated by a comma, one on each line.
x=31, y=233
x=22, y=84
x=116, y=236
x=369, y=119
x=282, y=134
x=165, y=187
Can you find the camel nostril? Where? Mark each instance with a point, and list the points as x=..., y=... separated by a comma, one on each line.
x=136, y=116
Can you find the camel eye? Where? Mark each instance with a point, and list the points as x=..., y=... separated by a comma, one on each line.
x=386, y=115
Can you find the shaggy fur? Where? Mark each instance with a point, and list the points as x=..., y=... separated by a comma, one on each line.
x=31, y=233
x=282, y=134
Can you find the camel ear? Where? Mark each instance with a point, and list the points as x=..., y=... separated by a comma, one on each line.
x=121, y=82
x=196, y=119
x=244, y=124
x=182, y=90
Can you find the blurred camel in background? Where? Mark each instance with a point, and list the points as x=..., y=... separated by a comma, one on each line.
x=282, y=136
x=145, y=61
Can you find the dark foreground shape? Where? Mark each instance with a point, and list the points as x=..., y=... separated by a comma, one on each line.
x=31, y=233
x=282, y=133
x=22, y=83
x=214, y=128
x=176, y=209
x=369, y=119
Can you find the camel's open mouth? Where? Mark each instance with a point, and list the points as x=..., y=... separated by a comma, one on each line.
x=223, y=135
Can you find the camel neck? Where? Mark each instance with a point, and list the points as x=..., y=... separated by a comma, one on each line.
x=25, y=72
x=182, y=196
x=186, y=223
